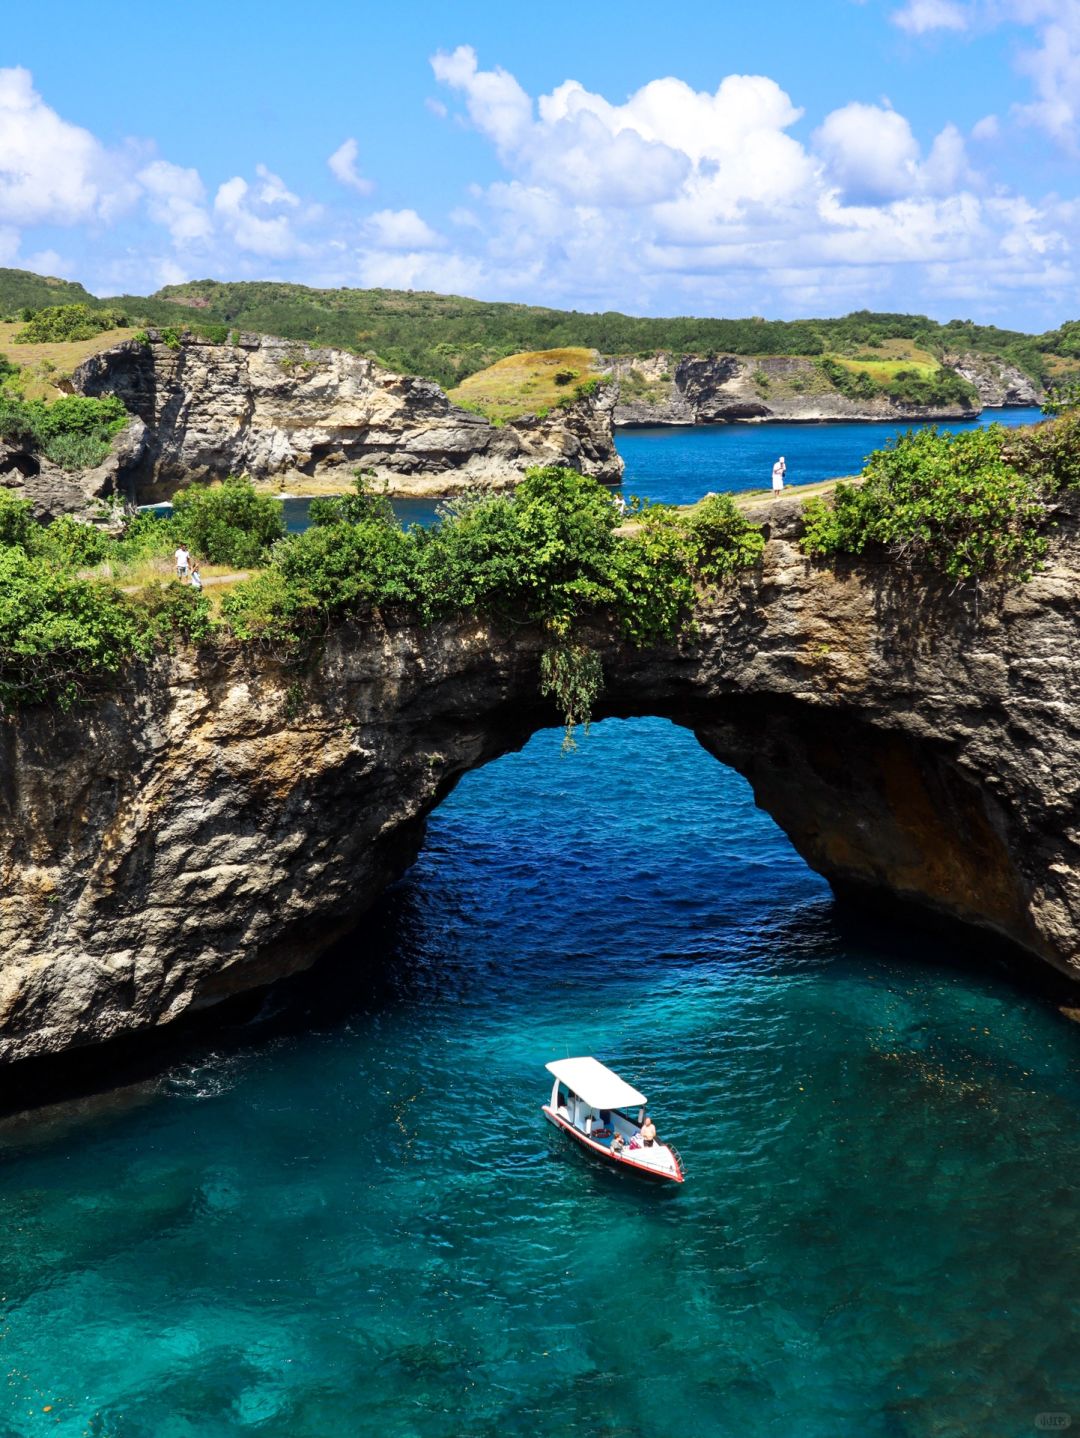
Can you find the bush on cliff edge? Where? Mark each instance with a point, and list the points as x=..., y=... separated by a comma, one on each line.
x=959, y=505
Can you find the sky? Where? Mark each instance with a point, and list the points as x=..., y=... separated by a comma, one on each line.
x=781, y=159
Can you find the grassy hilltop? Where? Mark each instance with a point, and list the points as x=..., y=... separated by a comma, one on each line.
x=449, y=338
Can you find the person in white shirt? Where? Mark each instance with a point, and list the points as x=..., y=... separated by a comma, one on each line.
x=183, y=561
x=779, y=469
x=196, y=577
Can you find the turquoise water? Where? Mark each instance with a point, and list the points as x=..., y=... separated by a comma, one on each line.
x=352, y=1219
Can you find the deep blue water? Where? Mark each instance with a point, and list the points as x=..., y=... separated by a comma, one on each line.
x=357, y=1222
x=678, y=466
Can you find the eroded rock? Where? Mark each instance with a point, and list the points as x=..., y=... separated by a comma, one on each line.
x=220, y=819
x=287, y=412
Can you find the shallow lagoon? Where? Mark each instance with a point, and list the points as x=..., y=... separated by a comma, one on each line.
x=354, y=1220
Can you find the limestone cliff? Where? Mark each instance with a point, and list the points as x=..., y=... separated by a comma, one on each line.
x=998, y=382
x=203, y=830
x=54, y=491
x=668, y=389
x=287, y=412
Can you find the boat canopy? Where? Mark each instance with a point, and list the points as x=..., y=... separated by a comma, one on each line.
x=597, y=1085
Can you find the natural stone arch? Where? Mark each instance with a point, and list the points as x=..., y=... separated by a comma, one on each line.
x=222, y=818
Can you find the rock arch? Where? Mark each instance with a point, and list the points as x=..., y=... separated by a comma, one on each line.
x=222, y=818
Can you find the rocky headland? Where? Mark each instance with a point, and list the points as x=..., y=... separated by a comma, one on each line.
x=293, y=416
x=217, y=818
x=672, y=389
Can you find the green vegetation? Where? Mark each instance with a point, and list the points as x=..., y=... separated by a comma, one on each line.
x=230, y=524
x=447, y=337
x=928, y=385
x=62, y=323
x=73, y=431
x=545, y=556
x=529, y=383
x=970, y=507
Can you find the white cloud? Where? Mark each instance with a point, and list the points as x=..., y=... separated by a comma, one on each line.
x=245, y=214
x=988, y=128
x=1052, y=64
x=870, y=152
x=401, y=230
x=1054, y=68
x=176, y=199
x=343, y=167
x=920, y=16
x=53, y=172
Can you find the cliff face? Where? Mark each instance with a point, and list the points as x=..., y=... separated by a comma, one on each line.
x=668, y=389
x=205, y=830
x=282, y=411
x=54, y=491
x=998, y=382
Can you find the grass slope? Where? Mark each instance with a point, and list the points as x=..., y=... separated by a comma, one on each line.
x=45, y=366
x=526, y=383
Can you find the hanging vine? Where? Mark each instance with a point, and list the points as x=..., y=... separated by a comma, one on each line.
x=573, y=676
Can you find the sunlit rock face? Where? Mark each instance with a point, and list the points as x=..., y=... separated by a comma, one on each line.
x=288, y=414
x=671, y=389
x=218, y=820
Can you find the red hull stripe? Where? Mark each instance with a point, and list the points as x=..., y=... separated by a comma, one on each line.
x=604, y=1152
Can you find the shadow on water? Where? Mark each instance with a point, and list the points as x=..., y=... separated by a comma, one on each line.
x=388, y=963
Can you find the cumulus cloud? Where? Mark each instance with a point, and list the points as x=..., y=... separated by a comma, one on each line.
x=53, y=172
x=401, y=230
x=709, y=192
x=176, y=199
x=1054, y=68
x=1052, y=63
x=247, y=214
x=344, y=168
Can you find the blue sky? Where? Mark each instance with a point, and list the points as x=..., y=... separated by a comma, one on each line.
x=782, y=159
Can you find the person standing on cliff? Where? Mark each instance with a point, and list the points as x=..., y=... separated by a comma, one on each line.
x=779, y=469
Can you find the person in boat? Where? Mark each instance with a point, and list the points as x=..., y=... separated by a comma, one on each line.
x=648, y=1132
x=618, y=1143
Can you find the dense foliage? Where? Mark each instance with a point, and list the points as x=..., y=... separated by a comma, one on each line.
x=941, y=389
x=229, y=524
x=74, y=431
x=59, y=323
x=970, y=506
x=547, y=555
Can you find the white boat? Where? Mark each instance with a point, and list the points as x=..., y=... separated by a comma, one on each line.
x=594, y=1105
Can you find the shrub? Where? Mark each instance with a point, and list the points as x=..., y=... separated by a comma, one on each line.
x=950, y=502
x=74, y=431
x=58, y=634
x=230, y=524
x=17, y=526
x=357, y=508
x=725, y=540
x=72, y=543
x=59, y=323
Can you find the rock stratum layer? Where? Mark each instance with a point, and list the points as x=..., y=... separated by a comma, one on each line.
x=666, y=389
x=204, y=830
x=286, y=412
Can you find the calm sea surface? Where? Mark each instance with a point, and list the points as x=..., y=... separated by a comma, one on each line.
x=678, y=466
x=350, y=1218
